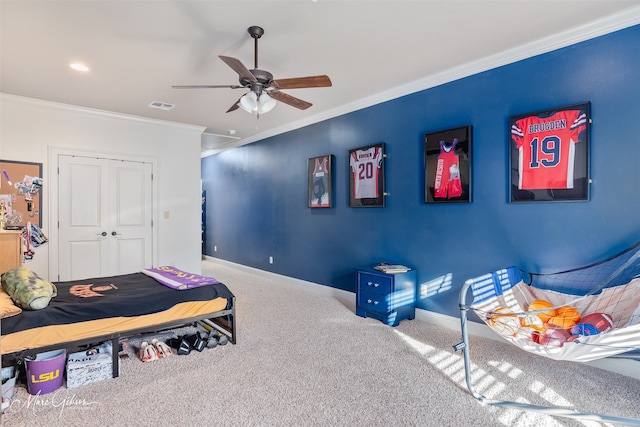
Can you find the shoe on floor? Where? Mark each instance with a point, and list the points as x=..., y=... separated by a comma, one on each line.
x=161, y=348
x=180, y=344
x=195, y=342
x=147, y=352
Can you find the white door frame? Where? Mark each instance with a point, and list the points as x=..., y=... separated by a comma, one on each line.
x=52, y=183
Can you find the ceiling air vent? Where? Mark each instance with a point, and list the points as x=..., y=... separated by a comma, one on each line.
x=161, y=105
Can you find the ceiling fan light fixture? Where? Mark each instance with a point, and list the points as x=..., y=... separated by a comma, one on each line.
x=242, y=107
x=249, y=102
x=266, y=103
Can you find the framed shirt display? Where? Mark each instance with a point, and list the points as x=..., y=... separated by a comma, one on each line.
x=320, y=181
x=447, y=172
x=366, y=176
x=550, y=154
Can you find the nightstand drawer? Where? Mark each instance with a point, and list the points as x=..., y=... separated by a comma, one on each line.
x=373, y=283
x=373, y=301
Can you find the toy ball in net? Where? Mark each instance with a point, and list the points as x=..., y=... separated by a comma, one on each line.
x=541, y=305
x=504, y=322
x=561, y=322
x=553, y=337
x=570, y=313
x=525, y=333
x=602, y=321
x=585, y=329
x=532, y=321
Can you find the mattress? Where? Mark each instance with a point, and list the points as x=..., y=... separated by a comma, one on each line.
x=102, y=306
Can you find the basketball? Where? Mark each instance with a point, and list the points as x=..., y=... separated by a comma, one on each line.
x=504, y=322
x=553, y=337
x=561, y=322
x=569, y=312
x=541, y=305
x=566, y=318
x=602, y=321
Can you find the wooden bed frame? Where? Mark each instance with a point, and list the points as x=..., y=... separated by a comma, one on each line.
x=223, y=321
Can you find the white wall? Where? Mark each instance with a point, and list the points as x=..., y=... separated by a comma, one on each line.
x=29, y=128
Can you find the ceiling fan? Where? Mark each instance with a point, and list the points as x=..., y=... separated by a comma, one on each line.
x=263, y=89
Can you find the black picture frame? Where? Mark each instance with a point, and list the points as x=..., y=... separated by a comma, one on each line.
x=320, y=181
x=549, y=155
x=448, y=158
x=366, y=176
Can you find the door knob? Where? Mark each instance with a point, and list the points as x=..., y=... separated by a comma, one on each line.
x=113, y=233
x=104, y=233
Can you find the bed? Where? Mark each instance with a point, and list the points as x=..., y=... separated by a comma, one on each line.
x=88, y=312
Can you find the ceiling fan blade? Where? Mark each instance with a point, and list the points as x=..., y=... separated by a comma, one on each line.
x=235, y=106
x=290, y=100
x=239, y=68
x=302, y=82
x=207, y=87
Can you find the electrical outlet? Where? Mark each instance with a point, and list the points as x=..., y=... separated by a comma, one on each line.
x=270, y=260
x=215, y=249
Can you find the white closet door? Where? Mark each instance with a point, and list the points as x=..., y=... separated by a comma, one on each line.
x=130, y=206
x=105, y=214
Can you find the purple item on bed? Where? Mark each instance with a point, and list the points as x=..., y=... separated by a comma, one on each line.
x=178, y=279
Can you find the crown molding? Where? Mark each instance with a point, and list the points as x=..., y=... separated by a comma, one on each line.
x=605, y=25
x=94, y=111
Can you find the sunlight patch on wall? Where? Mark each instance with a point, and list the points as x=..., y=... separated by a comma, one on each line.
x=435, y=286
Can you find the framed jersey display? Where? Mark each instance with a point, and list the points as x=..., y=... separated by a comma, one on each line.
x=447, y=172
x=366, y=176
x=320, y=170
x=550, y=155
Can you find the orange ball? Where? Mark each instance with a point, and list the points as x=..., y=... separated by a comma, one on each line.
x=541, y=305
x=570, y=313
x=561, y=322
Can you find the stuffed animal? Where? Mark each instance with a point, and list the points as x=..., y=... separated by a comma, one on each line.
x=27, y=289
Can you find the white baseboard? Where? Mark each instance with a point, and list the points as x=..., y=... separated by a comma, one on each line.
x=628, y=367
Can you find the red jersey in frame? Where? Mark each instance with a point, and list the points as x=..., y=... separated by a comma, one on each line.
x=546, y=148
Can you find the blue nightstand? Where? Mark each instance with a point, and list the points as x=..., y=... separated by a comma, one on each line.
x=389, y=298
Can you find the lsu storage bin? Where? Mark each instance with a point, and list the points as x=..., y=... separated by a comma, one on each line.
x=45, y=372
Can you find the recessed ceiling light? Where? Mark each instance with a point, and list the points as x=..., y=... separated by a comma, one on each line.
x=79, y=67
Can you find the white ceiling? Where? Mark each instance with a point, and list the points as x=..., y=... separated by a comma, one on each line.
x=373, y=51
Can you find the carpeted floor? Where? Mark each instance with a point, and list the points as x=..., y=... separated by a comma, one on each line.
x=303, y=358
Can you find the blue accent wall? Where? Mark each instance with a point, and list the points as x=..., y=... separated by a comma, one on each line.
x=257, y=194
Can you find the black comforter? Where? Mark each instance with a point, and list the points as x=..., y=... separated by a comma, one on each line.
x=117, y=296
